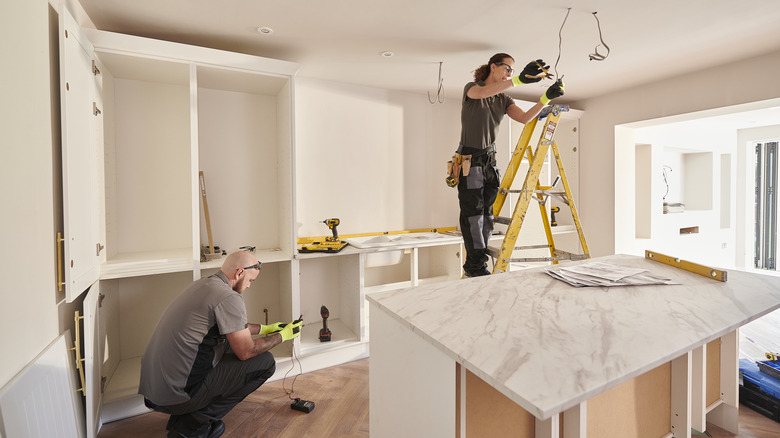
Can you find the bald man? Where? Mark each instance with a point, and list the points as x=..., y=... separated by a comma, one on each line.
x=189, y=372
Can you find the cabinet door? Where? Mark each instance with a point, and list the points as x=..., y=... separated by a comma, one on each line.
x=94, y=340
x=79, y=161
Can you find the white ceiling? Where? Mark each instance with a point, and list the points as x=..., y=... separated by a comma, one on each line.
x=342, y=40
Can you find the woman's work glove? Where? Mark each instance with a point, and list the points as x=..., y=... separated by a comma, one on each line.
x=291, y=330
x=535, y=71
x=555, y=91
x=271, y=328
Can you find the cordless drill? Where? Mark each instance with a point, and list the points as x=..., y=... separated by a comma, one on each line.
x=332, y=224
x=330, y=244
x=324, y=331
x=553, y=210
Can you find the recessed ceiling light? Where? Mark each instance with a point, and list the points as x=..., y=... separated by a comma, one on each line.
x=265, y=30
x=387, y=54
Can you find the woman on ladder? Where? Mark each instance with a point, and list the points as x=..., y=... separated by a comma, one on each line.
x=484, y=105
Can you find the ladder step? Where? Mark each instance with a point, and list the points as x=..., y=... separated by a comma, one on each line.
x=533, y=259
x=502, y=220
x=560, y=255
x=533, y=247
x=495, y=251
x=565, y=256
x=569, y=256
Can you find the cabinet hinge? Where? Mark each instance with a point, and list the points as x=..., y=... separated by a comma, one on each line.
x=95, y=109
x=100, y=300
x=95, y=70
x=99, y=248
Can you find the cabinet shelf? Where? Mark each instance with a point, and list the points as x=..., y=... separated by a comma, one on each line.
x=341, y=336
x=121, y=398
x=133, y=264
x=262, y=255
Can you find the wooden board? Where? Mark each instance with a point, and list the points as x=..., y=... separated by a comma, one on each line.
x=490, y=413
x=639, y=408
x=712, y=393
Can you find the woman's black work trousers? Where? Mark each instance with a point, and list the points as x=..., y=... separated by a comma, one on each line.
x=476, y=193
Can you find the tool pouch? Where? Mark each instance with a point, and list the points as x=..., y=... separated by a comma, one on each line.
x=459, y=162
x=453, y=171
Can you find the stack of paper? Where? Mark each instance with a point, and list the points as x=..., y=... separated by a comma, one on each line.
x=606, y=274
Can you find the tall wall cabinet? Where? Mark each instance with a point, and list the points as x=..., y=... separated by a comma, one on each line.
x=141, y=119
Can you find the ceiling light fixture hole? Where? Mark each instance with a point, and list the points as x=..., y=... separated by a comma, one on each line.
x=265, y=30
x=387, y=54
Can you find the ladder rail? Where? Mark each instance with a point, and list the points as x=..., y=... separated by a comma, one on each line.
x=566, y=188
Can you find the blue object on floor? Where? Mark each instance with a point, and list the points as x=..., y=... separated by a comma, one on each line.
x=759, y=391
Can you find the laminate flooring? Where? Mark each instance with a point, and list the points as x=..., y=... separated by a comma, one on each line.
x=340, y=395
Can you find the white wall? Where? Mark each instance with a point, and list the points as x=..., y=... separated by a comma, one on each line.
x=730, y=84
x=29, y=319
x=374, y=158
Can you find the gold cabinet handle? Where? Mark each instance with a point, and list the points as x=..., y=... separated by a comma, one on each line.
x=79, y=360
x=60, y=244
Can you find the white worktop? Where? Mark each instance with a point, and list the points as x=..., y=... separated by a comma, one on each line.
x=549, y=346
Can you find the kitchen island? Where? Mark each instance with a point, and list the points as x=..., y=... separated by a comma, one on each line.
x=526, y=354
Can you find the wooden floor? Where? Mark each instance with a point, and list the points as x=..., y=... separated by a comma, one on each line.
x=340, y=395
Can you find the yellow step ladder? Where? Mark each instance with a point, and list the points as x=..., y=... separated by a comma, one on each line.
x=532, y=190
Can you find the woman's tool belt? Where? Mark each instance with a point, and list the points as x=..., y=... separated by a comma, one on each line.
x=454, y=167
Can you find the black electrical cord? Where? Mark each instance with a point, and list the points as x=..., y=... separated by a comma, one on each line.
x=292, y=367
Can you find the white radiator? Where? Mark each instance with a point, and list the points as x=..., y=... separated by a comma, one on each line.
x=41, y=401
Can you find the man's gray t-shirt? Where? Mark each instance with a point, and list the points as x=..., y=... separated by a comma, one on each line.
x=480, y=118
x=189, y=339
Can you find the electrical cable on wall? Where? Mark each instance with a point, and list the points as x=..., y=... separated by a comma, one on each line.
x=665, y=169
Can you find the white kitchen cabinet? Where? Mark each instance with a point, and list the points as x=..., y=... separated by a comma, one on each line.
x=341, y=281
x=141, y=119
x=79, y=156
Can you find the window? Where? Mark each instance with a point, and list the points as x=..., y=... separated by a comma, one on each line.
x=766, y=205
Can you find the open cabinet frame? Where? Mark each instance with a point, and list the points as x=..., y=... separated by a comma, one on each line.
x=141, y=119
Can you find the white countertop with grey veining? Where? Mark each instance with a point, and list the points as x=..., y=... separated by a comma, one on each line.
x=549, y=346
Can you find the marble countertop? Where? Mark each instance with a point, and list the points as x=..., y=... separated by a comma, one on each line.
x=549, y=346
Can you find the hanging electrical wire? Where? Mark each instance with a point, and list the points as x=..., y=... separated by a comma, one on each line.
x=440, y=91
x=598, y=56
x=560, y=43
